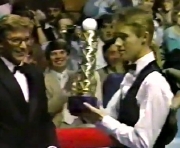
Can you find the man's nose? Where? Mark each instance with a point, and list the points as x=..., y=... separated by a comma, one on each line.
x=58, y=56
x=23, y=45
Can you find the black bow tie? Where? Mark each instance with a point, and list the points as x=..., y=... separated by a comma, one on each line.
x=130, y=67
x=22, y=69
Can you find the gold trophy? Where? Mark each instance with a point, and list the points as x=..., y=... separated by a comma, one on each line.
x=82, y=88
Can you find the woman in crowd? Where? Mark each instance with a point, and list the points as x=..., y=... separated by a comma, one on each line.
x=113, y=59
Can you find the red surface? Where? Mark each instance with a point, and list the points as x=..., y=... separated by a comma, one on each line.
x=82, y=138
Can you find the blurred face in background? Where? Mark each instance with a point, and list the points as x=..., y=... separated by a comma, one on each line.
x=78, y=32
x=59, y=58
x=147, y=5
x=168, y=5
x=53, y=13
x=112, y=55
x=107, y=31
x=178, y=18
x=64, y=24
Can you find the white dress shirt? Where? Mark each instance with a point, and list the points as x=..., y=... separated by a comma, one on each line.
x=62, y=78
x=154, y=98
x=100, y=61
x=5, y=9
x=21, y=79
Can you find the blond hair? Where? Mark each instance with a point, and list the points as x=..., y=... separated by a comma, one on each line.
x=139, y=20
x=13, y=22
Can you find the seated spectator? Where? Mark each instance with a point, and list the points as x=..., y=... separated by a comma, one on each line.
x=171, y=39
x=113, y=59
x=58, y=80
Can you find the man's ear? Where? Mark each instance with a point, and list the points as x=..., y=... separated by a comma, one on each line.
x=145, y=38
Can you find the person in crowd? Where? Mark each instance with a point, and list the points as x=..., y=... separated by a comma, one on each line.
x=172, y=70
x=163, y=9
x=113, y=59
x=25, y=122
x=172, y=34
x=106, y=32
x=77, y=44
x=172, y=66
x=65, y=23
x=113, y=73
x=58, y=80
x=53, y=12
x=66, y=30
x=131, y=115
x=97, y=8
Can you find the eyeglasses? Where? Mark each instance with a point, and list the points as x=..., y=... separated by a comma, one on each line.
x=19, y=41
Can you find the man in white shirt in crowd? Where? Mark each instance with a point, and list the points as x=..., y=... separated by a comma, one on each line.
x=137, y=112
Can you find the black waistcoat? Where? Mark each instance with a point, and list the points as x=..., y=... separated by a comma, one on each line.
x=129, y=109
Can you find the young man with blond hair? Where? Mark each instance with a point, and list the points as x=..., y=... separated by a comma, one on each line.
x=24, y=122
x=136, y=115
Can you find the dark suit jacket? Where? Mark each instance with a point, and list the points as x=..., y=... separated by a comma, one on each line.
x=48, y=33
x=22, y=124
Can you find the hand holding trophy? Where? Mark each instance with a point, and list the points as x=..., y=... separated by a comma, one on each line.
x=82, y=88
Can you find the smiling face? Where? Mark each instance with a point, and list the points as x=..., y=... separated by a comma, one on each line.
x=59, y=58
x=15, y=45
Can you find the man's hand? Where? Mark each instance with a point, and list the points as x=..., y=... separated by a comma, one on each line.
x=93, y=115
x=176, y=101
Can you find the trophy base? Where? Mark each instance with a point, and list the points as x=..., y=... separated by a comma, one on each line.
x=76, y=106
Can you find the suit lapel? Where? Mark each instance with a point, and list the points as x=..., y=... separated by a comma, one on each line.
x=11, y=85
